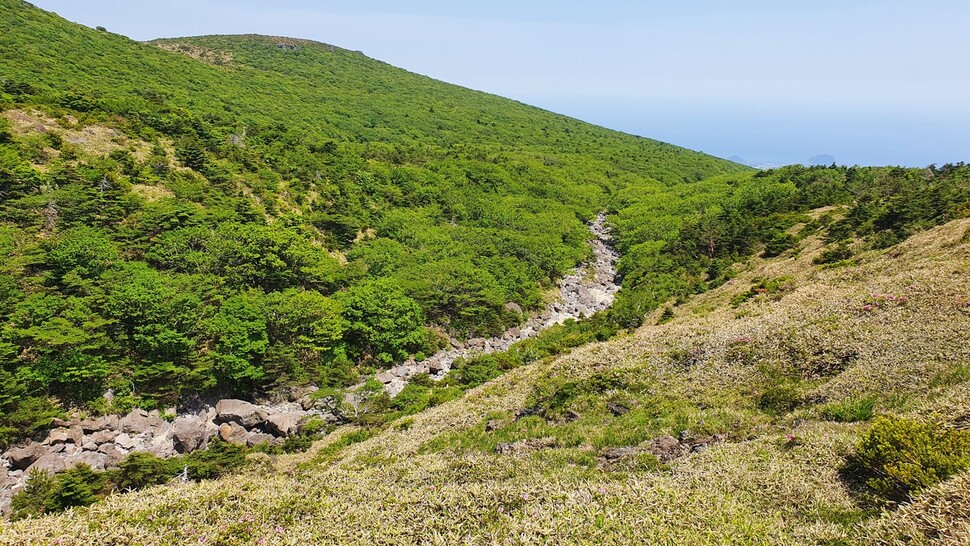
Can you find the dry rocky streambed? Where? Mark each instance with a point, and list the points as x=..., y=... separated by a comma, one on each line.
x=103, y=442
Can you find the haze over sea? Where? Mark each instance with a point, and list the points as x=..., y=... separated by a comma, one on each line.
x=871, y=83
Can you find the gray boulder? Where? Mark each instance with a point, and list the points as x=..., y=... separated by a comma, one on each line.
x=104, y=436
x=256, y=438
x=234, y=433
x=51, y=462
x=188, y=433
x=113, y=454
x=58, y=436
x=109, y=422
x=284, y=424
x=97, y=461
x=124, y=441
x=162, y=446
x=23, y=457
x=136, y=422
x=239, y=411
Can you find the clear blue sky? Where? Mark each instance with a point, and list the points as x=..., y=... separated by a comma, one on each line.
x=865, y=81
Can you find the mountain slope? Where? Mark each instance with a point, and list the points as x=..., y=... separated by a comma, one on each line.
x=508, y=462
x=241, y=214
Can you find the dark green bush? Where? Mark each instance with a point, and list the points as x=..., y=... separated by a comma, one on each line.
x=219, y=459
x=899, y=457
x=140, y=470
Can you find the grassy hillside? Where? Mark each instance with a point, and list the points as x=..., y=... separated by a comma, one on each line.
x=794, y=367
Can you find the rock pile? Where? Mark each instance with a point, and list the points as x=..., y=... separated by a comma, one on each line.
x=104, y=442
x=587, y=289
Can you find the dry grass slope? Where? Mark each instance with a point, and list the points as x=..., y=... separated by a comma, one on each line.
x=760, y=374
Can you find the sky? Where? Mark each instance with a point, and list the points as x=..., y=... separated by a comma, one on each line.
x=867, y=82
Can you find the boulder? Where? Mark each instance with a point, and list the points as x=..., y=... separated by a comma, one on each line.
x=97, y=461
x=89, y=445
x=162, y=446
x=58, y=436
x=257, y=438
x=435, y=366
x=615, y=453
x=113, y=455
x=109, y=422
x=23, y=457
x=298, y=393
x=51, y=462
x=239, y=411
x=104, y=436
x=513, y=307
x=234, y=433
x=617, y=408
x=124, y=441
x=188, y=433
x=284, y=424
x=385, y=378
x=135, y=422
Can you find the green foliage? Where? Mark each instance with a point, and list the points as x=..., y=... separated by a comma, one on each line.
x=46, y=493
x=384, y=324
x=899, y=457
x=140, y=470
x=218, y=459
x=850, y=410
x=772, y=289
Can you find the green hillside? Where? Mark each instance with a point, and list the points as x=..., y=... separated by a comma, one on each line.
x=241, y=215
x=237, y=214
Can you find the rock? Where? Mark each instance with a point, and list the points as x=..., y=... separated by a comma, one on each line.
x=257, y=438
x=104, y=436
x=124, y=441
x=617, y=408
x=88, y=444
x=240, y=412
x=77, y=434
x=513, y=307
x=385, y=378
x=306, y=402
x=477, y=342
x=23, y=457
x=135, y=422
x=51, y=462
x=162, y=446
x=113, y=454
x=188, y=433
x=284, y=424
x=97, y=461
x=525, y=446
x=234, y=433
x=666, y=448
x=297, y=393
x=436, y=366
x=109, y=422
x=58, y=436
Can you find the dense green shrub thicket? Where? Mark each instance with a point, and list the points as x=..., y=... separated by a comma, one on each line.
x=899, y=457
